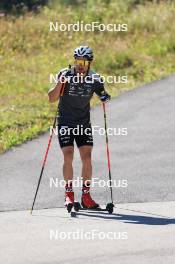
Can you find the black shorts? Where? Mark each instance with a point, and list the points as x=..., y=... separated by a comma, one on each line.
x=81, y=134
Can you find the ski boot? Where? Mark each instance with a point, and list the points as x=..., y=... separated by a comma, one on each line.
x=86, y=201
x=69, y=200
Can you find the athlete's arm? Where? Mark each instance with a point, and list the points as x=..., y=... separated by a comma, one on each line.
x=54, y=92
x=101, y=92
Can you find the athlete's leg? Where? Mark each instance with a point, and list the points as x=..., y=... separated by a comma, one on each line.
x=85, y=154
x=68, y=153
x=86, y=200
x=66, y=141
x=85, y=145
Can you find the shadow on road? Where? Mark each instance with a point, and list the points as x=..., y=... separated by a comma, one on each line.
x=131, y=219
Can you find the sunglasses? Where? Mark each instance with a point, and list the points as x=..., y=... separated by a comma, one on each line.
x=84, y=63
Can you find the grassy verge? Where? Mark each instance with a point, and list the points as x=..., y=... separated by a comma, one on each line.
x=29, y=53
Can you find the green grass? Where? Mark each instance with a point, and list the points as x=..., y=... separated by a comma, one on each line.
x=29, y=53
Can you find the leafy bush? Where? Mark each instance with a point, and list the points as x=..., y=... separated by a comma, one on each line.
x=20, y=5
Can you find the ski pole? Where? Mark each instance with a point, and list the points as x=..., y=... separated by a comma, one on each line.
x=107, y=151
x=46, y=154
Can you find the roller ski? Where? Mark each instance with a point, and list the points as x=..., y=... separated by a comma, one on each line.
x=109, y=208
x=87, y=203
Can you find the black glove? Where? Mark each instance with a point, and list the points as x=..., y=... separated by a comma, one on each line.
x=105, y=97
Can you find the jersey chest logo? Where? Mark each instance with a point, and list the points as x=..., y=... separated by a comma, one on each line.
x=81, y=90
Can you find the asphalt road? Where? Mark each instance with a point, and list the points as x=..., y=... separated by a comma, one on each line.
x=130, y=236
x=144, y=158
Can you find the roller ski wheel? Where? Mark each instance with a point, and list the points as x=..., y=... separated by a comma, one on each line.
x=73, y=214
x=69, y=207
x=110, y=208
x=77, y=206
